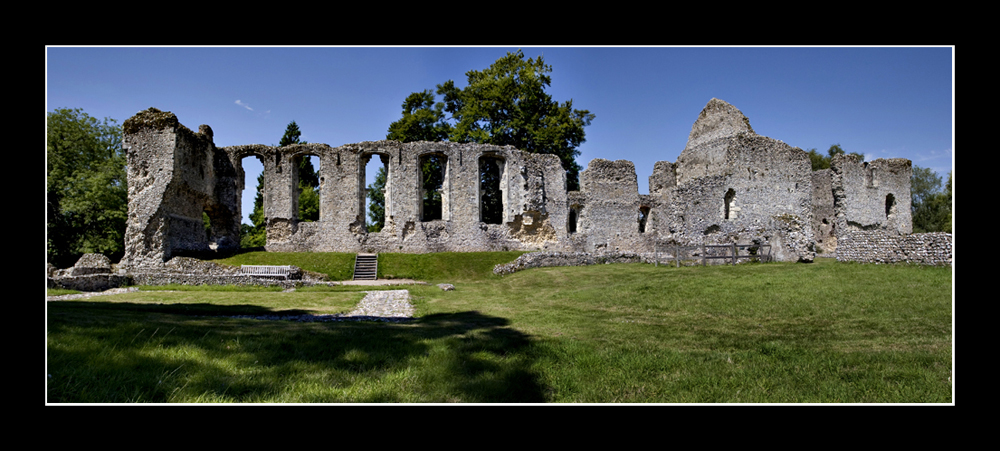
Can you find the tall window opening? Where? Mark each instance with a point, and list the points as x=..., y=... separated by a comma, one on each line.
x=890, y=205
x=433, y=186
x=374, y=178
x=309, y=198
x=253, y=223
x=490, y=190
x=643, y=217
x=573, y=217
x=730, y=195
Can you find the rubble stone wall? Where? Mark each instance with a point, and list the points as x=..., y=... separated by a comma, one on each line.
x=871, y=195
x=728, y=185
x=884, y=247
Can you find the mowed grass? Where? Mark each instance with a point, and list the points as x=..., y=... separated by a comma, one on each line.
x=825, y=332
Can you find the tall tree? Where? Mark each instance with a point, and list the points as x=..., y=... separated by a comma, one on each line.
x=308, y=178
x=823, y=162
x=505, y=104
x=423, y=120
x=86, y=187
x=930, y=206
x=376, y=202
x=255, y=235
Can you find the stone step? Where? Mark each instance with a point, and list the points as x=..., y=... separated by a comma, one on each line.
x=366, y=267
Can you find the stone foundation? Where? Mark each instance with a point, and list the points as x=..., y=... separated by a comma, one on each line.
x=882, y=247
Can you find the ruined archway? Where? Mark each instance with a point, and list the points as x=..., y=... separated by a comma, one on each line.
x=492, y=202
x=643, y=218
x=307, y=176
x=433, y=178
x=574, y=214
x=729, y=212
x=373, y=179
x=253, y=201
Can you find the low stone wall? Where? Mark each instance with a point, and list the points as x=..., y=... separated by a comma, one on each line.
x=206, y=279
x=92, y=282
x=882, y=247
x=542, y=259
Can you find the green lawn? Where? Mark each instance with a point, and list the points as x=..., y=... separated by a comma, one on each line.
x=825, y=332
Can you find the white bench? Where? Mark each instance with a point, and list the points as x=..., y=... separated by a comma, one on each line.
x=265, y=271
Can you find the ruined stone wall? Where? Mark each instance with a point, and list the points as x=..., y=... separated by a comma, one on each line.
x=533, y=192
x=611, y=221
x=733, y=185
x=728, y=185
x=871, y=195
x=877, y=246
x=823, y=215
x=175, y=176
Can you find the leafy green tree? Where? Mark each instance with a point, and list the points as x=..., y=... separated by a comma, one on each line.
x=423, y=120
x=86, y=187
x=376, y=202
x=930, y=206
x=308, y=178
x=255, y=235
x=505, y=104
x=823, y=162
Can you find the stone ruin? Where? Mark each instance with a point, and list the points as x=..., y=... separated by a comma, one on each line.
x=728, y=185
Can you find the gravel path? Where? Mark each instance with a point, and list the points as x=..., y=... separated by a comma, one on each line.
x=389, y=306
x=65, y=297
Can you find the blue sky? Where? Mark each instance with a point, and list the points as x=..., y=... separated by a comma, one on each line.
x=883, y=102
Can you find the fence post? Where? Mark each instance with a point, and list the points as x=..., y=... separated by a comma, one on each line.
x=734, y=254
x=704, y=256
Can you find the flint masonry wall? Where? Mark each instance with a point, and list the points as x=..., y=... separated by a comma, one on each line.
x=876, y=246
x=728, y=185
x=175, y=176
x=733, y=185
x=532, y=191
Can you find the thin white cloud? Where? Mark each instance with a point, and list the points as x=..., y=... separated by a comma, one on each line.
x=240, y=103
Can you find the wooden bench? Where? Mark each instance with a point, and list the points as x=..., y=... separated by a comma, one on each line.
x=265, y=271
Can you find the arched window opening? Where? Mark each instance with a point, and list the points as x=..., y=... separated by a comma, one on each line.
x=374, y=179
x=643, y=217
x=308, y=192
x=890, y=205
x=491, y=203
x=253, y=222
x=207, y=222
x=433, y=186
x=729, y=212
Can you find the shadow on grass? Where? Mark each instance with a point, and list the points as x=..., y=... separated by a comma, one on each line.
x=112, y=353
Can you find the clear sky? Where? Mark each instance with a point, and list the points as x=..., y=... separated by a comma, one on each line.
x=883, y=102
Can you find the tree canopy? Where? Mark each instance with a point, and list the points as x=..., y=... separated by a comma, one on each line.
x=505, y=104
x=823, y=162
x=86, y=187
x=930, y=206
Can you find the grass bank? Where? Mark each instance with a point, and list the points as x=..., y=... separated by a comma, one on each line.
x=760, y=333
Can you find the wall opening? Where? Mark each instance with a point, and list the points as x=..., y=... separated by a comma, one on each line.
x=573, y=218
x=433, y=177
x=643, y=218
x=730, y=196
x=491, y=193
x=253, y=222
x=374, y=178
x=890, y=205
x=308, y=201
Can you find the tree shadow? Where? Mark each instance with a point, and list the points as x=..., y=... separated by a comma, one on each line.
x=110, y=353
